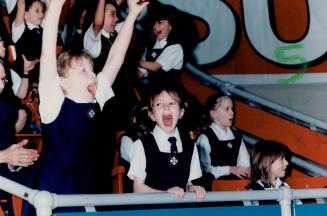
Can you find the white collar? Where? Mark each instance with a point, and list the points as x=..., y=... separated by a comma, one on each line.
x=31, y=26
x=106, y=34
x=160, y=44
x=221, y=134
x=277, y=182
x=157, y=130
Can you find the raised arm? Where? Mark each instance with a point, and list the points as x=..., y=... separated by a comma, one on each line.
x=118, y=50
x=48, y=62
x=19, y=19
x=98, y=17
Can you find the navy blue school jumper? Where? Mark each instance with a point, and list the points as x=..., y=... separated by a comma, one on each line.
x=68, y=164
x=106, y=44
x=224, y=152
x=29, y=44
x=166, y=170
x=152, y=55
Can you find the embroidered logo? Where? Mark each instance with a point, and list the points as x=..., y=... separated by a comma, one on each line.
x=230, y=145
x=91, y=113
x=153, y=54
x=173, y=160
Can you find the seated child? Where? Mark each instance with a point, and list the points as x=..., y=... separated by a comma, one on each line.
x=223, y=153
x=166, y=159
x=268, y=167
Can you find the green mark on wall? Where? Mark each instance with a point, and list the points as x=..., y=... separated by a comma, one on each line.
x=280, y=55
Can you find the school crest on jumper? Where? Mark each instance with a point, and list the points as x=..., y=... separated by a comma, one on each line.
x=91, y=113
x=173, y=160
x=230, y=145
x=154, y=54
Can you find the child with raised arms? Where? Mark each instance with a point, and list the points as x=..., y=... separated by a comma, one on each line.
x=71, y=99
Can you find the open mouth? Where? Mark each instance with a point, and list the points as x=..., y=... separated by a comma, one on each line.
x=167, y=120
x=91, y=88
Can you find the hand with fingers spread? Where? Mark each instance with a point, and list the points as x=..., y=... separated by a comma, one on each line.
x=18, y=155
x=199, y=190
x=179, y=192
x=241, y=172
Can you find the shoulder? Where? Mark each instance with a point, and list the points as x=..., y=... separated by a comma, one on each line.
x=254, y=186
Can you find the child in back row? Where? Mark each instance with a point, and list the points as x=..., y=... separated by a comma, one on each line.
x=223, y=153
x=71, y=99
x=100, y=36
x=166, y=159
x=27, y=34
x=164, y=54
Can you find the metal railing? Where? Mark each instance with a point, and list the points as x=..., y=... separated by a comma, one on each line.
x=254, y=100
x=45, y=202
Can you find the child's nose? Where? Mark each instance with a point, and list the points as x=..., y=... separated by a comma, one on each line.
x=285, y=162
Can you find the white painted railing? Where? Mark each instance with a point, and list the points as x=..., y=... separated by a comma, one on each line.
x=45, y=202
x=301, y=118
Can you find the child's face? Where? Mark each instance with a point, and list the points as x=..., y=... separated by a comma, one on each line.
x=110, y=18
x=80, y=81
x=3, y=78
x=161, y=29
x=223, y=113
x=166, y=111
x=278, y=168
x=35, y=14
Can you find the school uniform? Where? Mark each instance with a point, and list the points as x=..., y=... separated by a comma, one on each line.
x=168, y=54
x=258, y=185
x=153, y=162
x=70, y=160
x=28, y=41
x=98, y=46
x=219, y=150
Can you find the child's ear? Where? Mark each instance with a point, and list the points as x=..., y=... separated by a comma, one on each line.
x=151, y=116
x=212, y=114
x=26, y=15
x=64, y=84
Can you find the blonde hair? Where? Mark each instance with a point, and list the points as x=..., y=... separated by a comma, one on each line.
x=66, y=58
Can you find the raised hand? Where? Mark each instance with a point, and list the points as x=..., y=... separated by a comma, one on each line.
x=136, y=6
